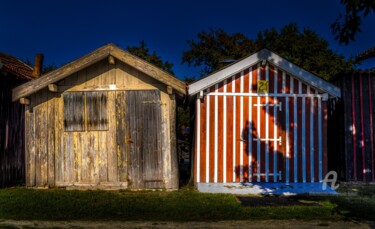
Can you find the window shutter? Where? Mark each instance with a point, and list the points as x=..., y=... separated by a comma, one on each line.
x=96, y=105
x=74, y=111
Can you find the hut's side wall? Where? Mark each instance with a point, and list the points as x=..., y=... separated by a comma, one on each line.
x=239, y=138
x=358, y=91
x=55, y=157
x=12, y=159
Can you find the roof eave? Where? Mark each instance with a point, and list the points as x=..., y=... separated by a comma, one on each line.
x=273, y=58
x=91, y=58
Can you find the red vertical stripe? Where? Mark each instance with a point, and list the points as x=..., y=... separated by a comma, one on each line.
x=238, y=127
x=354, y=132
x=230, y=101
x=362, y=129
x=308, y=129
x=245, y=127
x=203, y=141
x=371, y=127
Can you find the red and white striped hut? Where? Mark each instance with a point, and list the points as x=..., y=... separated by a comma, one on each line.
x=261, y=119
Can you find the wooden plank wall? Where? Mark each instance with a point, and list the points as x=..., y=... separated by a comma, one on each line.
x=229, y=126
x=358, y=90
x=12, y=141
x=55, y=157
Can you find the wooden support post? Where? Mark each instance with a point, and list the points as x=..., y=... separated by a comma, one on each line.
x=25, y=101
x=111, y=60
x=52, y=87
x=169, y=90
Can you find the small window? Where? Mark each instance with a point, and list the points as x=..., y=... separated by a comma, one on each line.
x=96, y=108
x=95, y=105
x=74, y=111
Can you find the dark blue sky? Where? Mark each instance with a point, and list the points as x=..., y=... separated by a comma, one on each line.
x=66, y=30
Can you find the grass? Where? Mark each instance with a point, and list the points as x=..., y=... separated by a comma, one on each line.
x=184, y=205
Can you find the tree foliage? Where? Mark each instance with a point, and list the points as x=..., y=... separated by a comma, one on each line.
x=304, y=48
x=214, y=48
x=144, y=53
x=346, y=26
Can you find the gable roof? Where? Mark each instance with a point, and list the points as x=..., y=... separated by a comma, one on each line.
x=272, y=58
x=15, y=66
x=91, y=58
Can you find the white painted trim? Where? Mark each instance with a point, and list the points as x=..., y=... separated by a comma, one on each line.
x=258, y=129
x=198, y=139
x=225, y=133
x=262, y=95
x=312, y=143
x=275, y=60
x=208, y=139
x=216, y=136
x=234, y=127
x=275, y=126
x=241, y=126
x=250, y=142
x=267, y=128
x=320, y=139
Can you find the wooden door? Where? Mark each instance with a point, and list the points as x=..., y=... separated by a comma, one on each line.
x=266, y=151
x=143, y=138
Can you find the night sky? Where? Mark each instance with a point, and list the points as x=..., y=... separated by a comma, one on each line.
x=66, y=30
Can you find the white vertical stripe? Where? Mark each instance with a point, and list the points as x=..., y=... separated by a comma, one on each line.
x=250, y=137
x=258, y=129
x=295, y=140
x=208, y=138
x=225, y=133
x=312, y=144
x=320, y=139
x=304, y=139
x=275, y=128
x=241, y=127
x=198, y=139
x=234, y=128
x=308, y=89
x=267, y=127
x=216, y=135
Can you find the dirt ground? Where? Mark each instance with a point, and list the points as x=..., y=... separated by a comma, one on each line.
x=194, y=225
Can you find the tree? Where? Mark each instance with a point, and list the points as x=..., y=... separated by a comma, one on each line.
x=304, y=48
x=215, y=48
x=143, y=52
x=346, y=27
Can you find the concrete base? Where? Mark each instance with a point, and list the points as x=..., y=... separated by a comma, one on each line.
x=267, y=188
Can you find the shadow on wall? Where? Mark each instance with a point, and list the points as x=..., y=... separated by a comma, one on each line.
x=254, y=169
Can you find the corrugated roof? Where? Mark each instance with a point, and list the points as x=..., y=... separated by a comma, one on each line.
x=15, y=66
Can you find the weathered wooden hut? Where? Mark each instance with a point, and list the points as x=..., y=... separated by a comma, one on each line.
x=13, y=72
x=105, y=120
x=261, y=119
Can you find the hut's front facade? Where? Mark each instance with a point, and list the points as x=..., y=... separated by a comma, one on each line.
x=262, y=119
x=106, y=120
